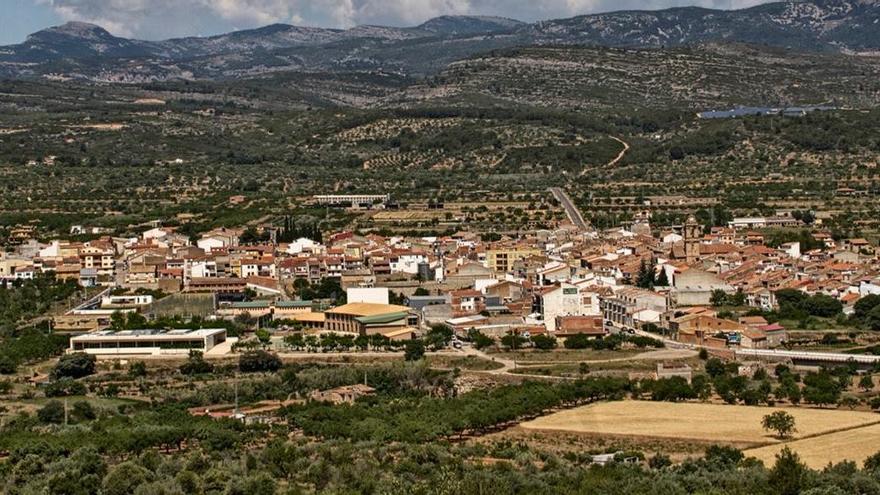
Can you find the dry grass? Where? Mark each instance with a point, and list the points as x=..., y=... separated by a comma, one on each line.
x=699, y=422
x=849, y=445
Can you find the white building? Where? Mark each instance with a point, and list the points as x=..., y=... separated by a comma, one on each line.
x=407, y=262
x=565, y=300
x=147, y=342
x=371, y=295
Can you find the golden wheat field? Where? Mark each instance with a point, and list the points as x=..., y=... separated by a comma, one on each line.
x=849, y=445
x=698, y=422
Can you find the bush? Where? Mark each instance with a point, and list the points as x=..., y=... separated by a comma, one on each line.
x=137, y=369
x=196, y=364
x=480, y=340
x=257, y=361
x=7, y=365
x=659, y=461
x=76, y=365
x=578, y=341
x=124, y=479
x=414, y=350
x=544, y=342
x=64, y=387
x=52, y=412
x=83, y=411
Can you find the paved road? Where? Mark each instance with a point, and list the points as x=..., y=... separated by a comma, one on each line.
x=570, y=209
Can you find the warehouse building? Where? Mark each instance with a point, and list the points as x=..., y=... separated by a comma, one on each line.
x=147, y=342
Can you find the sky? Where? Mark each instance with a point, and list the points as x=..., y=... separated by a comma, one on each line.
x=162, y=19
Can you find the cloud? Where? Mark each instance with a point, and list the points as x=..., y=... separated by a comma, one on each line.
x=156, y=19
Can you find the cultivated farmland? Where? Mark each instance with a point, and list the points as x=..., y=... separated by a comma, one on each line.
x=715, y=423
x=848, y=445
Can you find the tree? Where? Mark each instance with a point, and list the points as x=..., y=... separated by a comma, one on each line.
x=715, y=367
x=438, y=337
x=118, y=321
x=258, y=361
x=849, y=402
x=83, y=411
x=863, y=306
x=718, y=298
x=52, y=412
x=872, y=319
x=872, y=463
x=137, y=369
x=513, y=341
x=671, y=389
x=866, y=383
x=645, y=277
x=788, y=389
x=414, y=350
x=544, y=342
x=64, y=387
x=789, y=474
x=7, y=365
x=480, y=340
x=659, y=461
x=76, y=365
x=823, y=306
x=662, y=279
x=124, y=479
x=724, y=455
x=245, y=319
x=196, y=365
x=577, y=341
x=264, y=336
x=780, y=422
x=421, y=291
x=821, y=389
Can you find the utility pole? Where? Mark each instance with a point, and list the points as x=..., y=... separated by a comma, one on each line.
x=235, y=412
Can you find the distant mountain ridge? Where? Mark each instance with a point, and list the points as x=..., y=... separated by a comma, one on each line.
x=80, y=50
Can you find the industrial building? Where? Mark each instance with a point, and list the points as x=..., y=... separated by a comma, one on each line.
x=147, y=342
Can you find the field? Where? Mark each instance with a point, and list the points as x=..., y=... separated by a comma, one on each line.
x=852, y=445
x=739, y=425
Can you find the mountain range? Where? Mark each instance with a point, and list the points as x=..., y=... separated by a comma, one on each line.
x=86, y=51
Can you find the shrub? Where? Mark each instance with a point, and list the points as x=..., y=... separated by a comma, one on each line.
x=64, y=387
x=196, y=364
x=544, y=342
x=414, y=350
x=76, y=365
x=52, y=412
x=257, y=361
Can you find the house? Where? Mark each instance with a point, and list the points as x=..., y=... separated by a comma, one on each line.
x=564, y=300
x=347, y=394
x=704, y=330
x=502, y=259
x=754, y=338
x=694, y=287
x=752, y=321
x=467, y=302
x=776, y=335
x=591, y=326
x=672, y=369
x=620, y=309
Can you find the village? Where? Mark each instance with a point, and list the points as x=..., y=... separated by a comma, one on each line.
x=686, y=284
